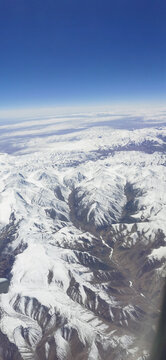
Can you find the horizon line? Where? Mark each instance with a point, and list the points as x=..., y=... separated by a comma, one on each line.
x=54, y=110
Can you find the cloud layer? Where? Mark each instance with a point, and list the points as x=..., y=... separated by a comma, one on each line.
x=36, y=130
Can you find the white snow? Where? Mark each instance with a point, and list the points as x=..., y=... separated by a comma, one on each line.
x=76, y=161
x=158, y=253
x=3, y=280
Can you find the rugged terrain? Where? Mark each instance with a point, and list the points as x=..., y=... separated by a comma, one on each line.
x=82, y=239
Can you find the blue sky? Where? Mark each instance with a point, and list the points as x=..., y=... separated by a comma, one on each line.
x=74, y=52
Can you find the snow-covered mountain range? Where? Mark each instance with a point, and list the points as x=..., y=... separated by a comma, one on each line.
x=82, y=240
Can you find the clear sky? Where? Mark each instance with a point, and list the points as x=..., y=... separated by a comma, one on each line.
x=66, y=52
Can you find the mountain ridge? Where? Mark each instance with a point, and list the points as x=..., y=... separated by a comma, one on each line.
x=84, y=236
